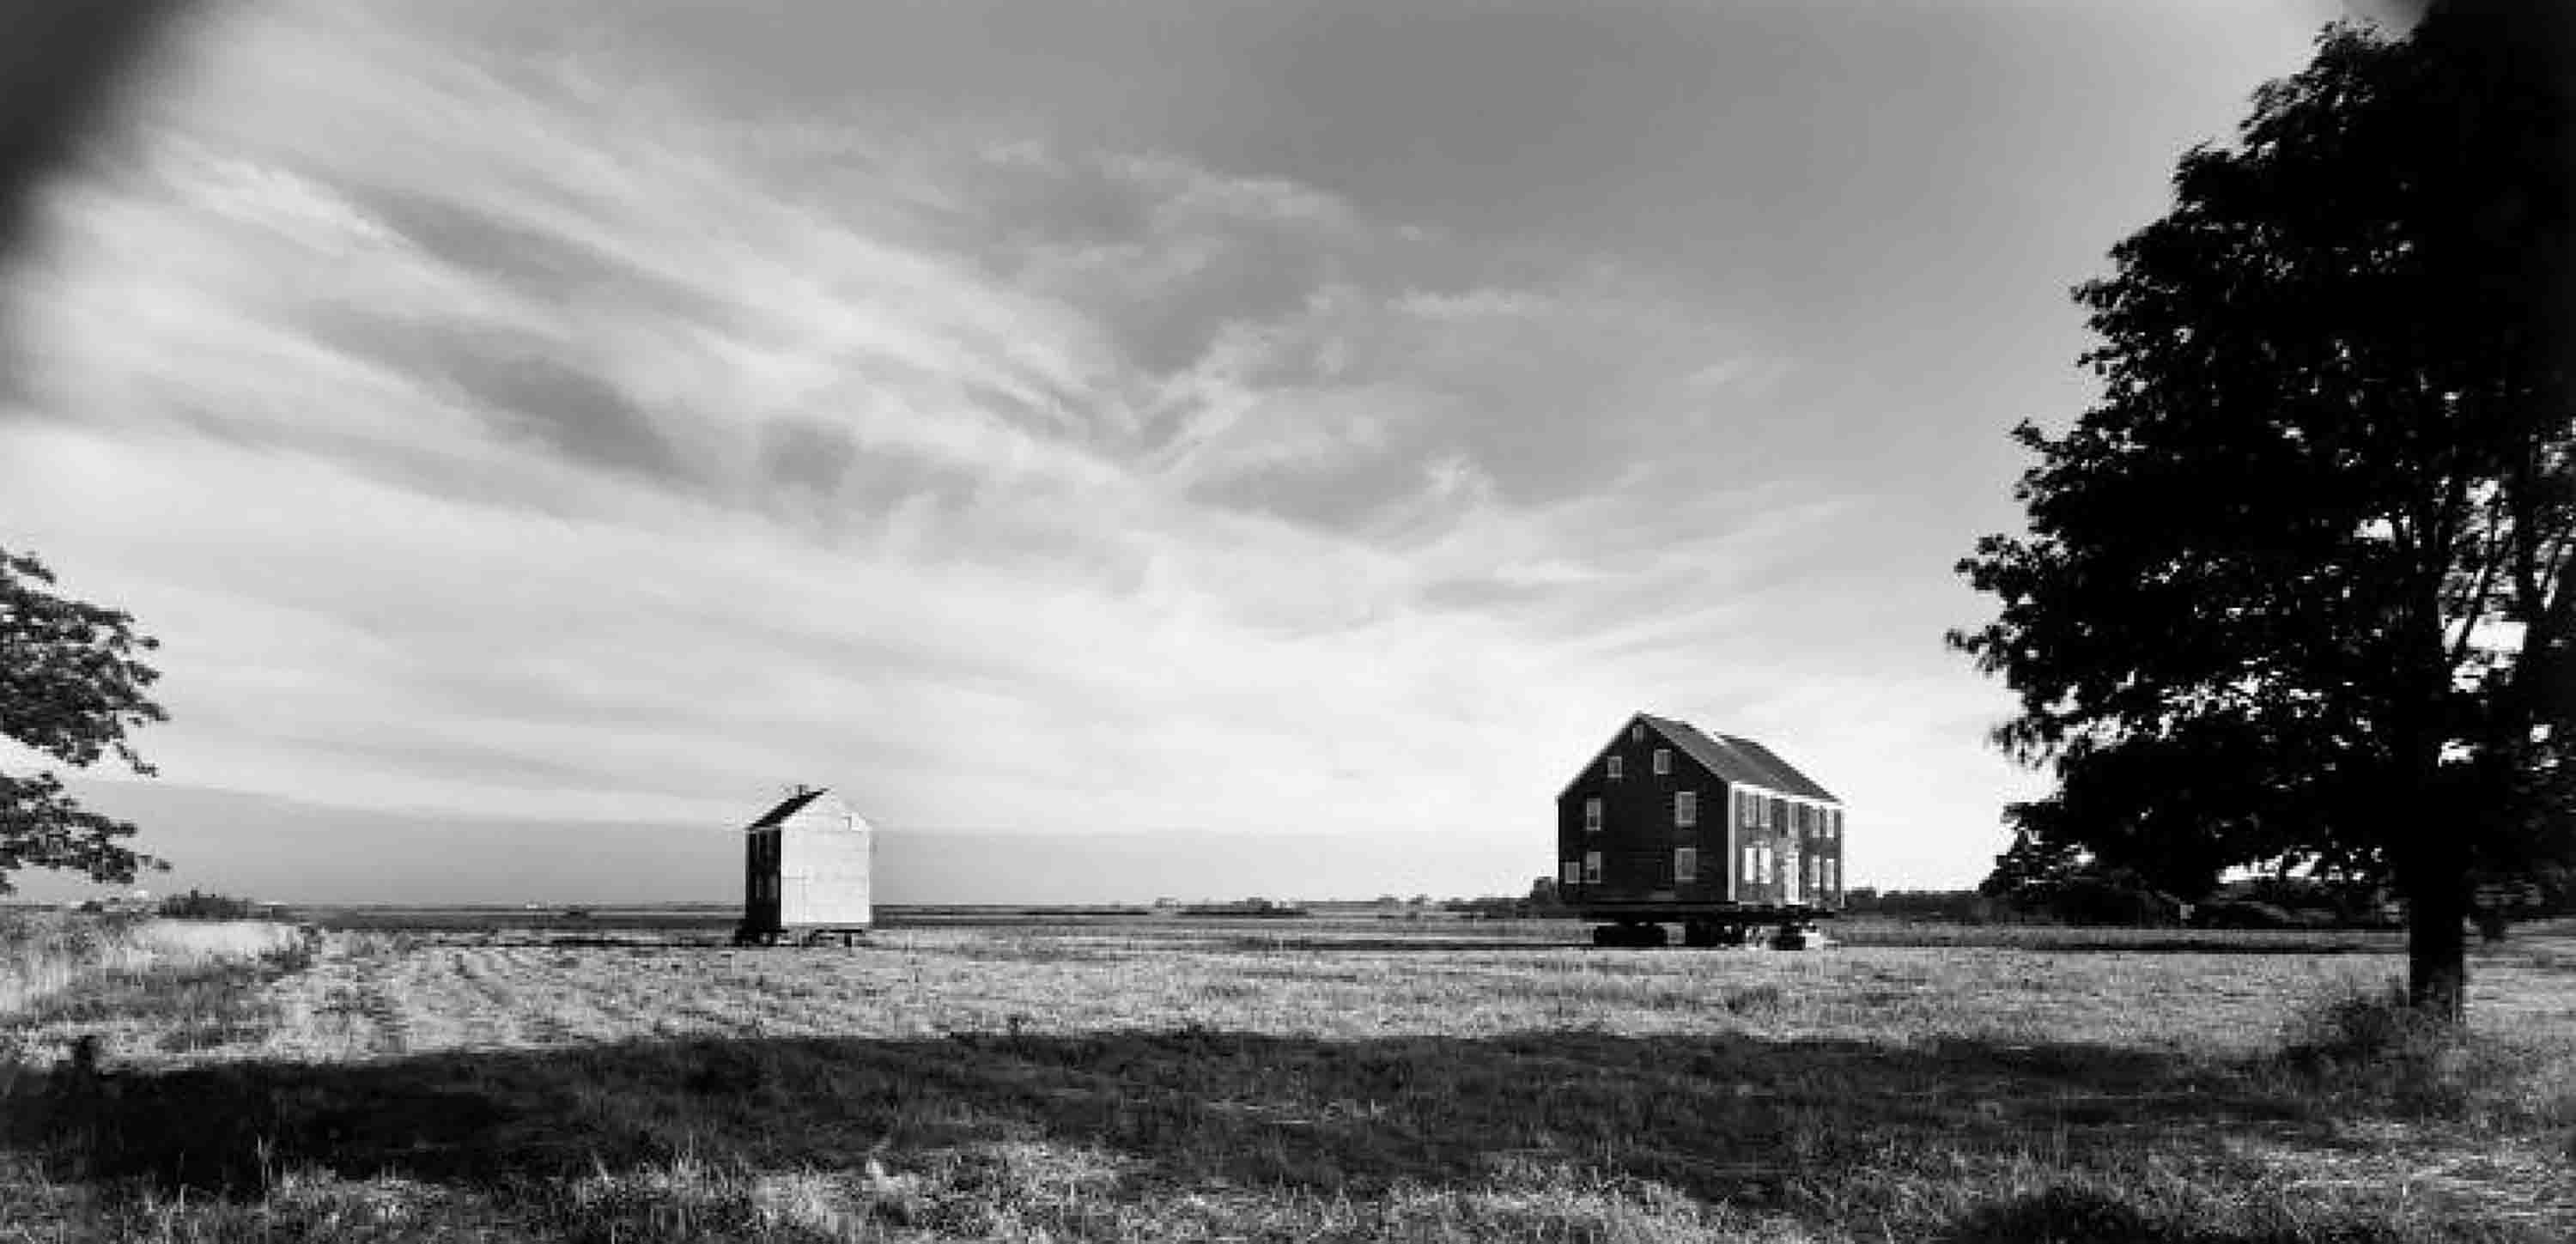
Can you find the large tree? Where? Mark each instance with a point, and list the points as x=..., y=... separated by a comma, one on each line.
x=2297, y=589
x=73, y=684
x=63, y=64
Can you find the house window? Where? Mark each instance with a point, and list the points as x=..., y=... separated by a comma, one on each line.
x=1837, y=815
x=1592, y=816
x=1752, y=861
x=1591, y=868
x=1830, y=878
x=1685, y=808
x=1637, y=733
x=1812, y=872
x=1571, y=873
x=1612, y=765
x=1663, y=760
x=1685, y=865
x=1806, y=818
x=1779, y=814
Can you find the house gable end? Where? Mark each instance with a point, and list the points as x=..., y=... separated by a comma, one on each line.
x=1593, y=765
x=1731, y=760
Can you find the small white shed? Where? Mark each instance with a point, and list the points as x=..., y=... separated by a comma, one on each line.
x=806, y=866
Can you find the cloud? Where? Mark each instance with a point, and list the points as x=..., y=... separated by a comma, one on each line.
x=636, y=293
x=490, y=439
x=363, y=642
x=801, y=453
x=1165, y=256
x=535, y=392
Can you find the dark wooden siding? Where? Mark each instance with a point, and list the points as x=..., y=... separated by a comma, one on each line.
x=1638, y=837
x=760, y=889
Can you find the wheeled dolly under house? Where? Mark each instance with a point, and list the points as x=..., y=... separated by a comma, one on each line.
x=1706, y=926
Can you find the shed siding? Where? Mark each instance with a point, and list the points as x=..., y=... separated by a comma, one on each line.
x=823, y=877
x=760, y=870
x=809, y=869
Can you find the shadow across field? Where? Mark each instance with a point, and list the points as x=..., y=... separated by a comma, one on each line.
x=572, y=941
x=1719, y=1117
x=2113, y=946
x=1398, y=944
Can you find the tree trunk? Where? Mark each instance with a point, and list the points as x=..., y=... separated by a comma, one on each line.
x=2433, y=864
x=2437, y=943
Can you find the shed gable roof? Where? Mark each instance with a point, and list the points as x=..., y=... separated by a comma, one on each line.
x=786, y=808
x=812, y=811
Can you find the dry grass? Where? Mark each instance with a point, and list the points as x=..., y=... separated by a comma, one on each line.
x=43, y=953
x=1928, y=933
x=1165, y=1080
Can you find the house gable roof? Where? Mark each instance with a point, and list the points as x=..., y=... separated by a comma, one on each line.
x=1732, y=759
x=1789, y=779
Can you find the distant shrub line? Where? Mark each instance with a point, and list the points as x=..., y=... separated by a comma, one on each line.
x=197, y=905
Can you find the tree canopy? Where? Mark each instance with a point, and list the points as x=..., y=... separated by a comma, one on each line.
x=2296, y=590
x=73, y=684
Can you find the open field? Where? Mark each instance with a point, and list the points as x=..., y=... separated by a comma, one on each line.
x=1167, y=1079
x=1331, y=925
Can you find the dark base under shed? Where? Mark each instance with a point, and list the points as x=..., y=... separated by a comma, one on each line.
x=747, y=935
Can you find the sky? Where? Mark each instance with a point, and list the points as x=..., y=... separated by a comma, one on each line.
x=1295, y=433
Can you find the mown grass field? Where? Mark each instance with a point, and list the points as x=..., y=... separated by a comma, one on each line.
x=1160, y=1079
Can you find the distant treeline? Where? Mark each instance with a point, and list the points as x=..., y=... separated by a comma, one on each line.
x=2075, y=904
x=1252, y=908
x=2117, y=902
x=2116, y=899
x=198, y=905
x=2108, y=899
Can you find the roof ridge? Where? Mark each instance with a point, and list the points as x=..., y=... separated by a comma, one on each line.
x=1765, y=767
x=789, y=806
x=1731, y=758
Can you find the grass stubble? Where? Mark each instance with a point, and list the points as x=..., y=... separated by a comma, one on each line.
x=1197, y=1082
